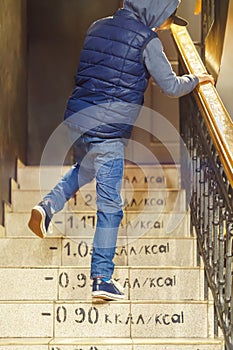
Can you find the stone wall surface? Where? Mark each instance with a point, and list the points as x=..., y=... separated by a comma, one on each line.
x=13, y=90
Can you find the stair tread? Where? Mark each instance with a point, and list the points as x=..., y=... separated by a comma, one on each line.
x=24, y=167
x=99, y=302
x=25, y=341
x=152, y=268
x=99, y=341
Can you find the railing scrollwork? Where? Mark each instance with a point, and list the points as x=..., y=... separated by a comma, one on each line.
x=207, y=131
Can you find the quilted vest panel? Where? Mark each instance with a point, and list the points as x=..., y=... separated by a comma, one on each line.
x=111, y=73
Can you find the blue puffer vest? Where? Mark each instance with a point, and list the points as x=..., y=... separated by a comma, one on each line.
x=111, y=78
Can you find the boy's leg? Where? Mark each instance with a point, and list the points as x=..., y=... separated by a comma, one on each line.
x=55, y=200
x=109, y=165
x=65, y=189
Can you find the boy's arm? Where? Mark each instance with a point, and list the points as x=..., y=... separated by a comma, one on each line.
x=161, y=71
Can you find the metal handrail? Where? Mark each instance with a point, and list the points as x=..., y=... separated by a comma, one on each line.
x=207, y=131
x=217, y=119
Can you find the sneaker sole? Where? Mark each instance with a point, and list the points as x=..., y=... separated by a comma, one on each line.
x=106, y=296
x=36, y=222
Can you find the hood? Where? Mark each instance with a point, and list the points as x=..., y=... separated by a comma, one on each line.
x=152, y=12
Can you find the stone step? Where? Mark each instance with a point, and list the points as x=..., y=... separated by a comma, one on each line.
x=117, y=319
x=110, y=344
x=176, y=344
x=92, y=344
x=26, y=252
x=156, y=176
x=84, y=223
x=25, y=343
x=159, y=201
x=161, y=252
x=35, y=252
x=2, y=231
x=140, y=283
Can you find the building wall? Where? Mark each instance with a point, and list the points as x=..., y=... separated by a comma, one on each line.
x=224, y=82
x=13, y=73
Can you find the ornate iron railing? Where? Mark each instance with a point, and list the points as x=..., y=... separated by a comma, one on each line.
x=207, y=131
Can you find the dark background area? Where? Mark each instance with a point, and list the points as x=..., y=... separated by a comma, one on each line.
x=56, y=30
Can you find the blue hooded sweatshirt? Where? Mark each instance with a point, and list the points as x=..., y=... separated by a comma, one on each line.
x=120, y=53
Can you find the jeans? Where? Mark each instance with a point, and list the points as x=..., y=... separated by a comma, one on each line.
x=102, y=159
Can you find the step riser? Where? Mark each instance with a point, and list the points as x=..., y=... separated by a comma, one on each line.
x=138, y=321
x=165, y=285
x=113, y=319
x=30, y=252
x=2, y=231
x=25, y=252
x=93, y=347
x=83, y=224
x=160, y=201
x=44, y=179
x=164, y=252
x=172, y=347
x=73, y=284
x=20, y=316
x=27, y=347
x=111, y=347
x=109, y=344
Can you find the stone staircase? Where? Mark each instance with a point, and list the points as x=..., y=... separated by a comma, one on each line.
x=45, y=294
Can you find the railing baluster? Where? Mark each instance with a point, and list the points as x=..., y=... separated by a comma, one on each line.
x=205, y=129
x=221, y=255
x=211, y=212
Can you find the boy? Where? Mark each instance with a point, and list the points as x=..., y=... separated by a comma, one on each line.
x=120, y=53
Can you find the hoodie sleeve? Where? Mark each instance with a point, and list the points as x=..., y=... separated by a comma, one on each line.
x=161, y=71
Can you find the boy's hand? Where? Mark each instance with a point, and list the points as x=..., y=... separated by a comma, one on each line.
x=205, y=78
